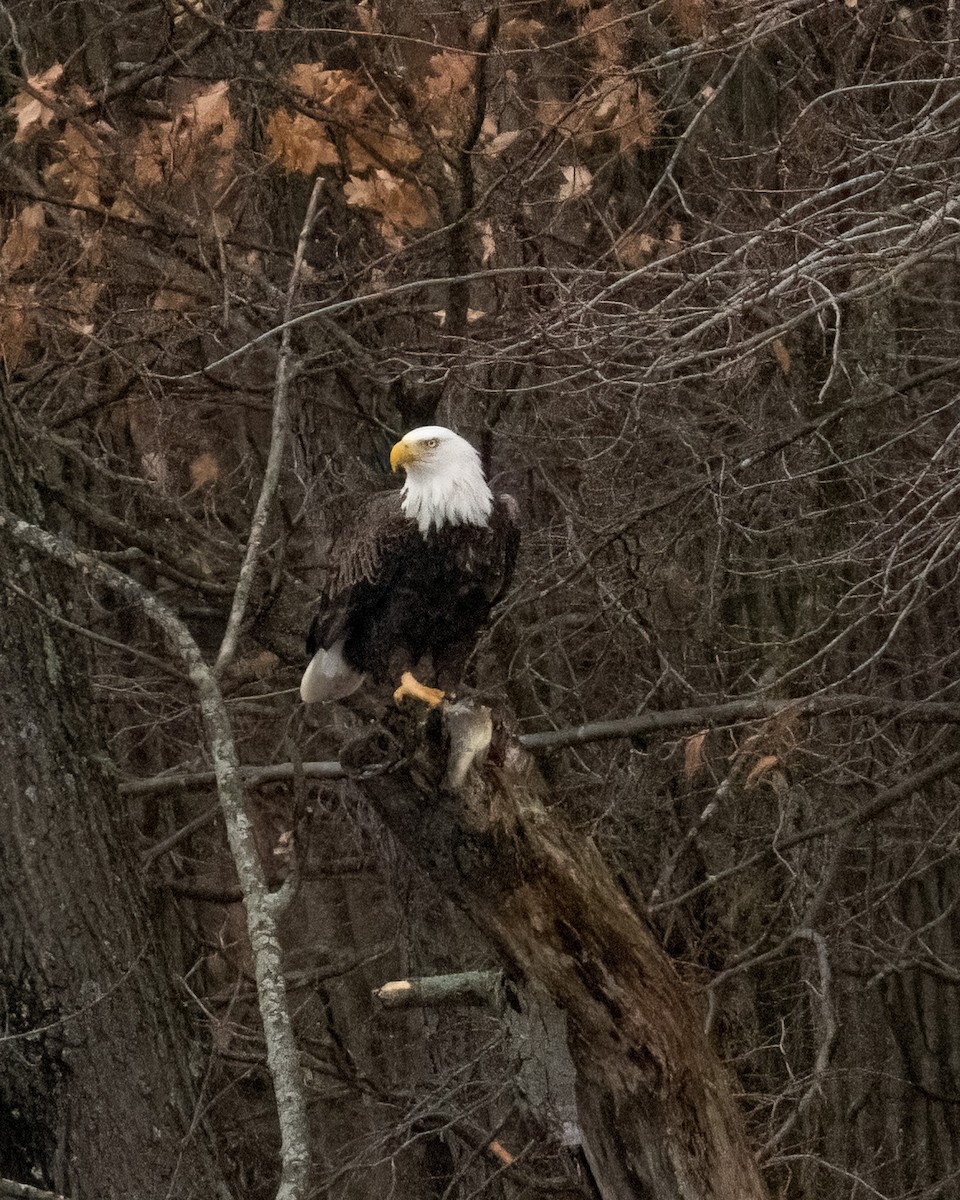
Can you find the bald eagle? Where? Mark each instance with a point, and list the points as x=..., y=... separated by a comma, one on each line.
x=416, y=576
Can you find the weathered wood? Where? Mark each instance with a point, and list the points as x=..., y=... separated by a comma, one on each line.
x=469, y=989
x=656, y=1105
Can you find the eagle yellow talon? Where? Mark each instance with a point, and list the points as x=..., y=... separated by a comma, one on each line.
x=409, y=686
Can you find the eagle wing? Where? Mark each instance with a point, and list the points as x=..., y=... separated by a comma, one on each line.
x=365, y=560
x=364, y=564
x=506, y=525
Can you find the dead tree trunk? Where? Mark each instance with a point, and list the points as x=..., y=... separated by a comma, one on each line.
x=655, y=1103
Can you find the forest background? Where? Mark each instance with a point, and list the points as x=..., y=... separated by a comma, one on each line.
x=687, y=273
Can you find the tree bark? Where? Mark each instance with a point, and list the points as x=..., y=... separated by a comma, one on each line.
x=655, y=1104
x=98, y=1060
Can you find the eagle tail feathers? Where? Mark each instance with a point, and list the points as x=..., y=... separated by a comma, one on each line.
x=328, y=676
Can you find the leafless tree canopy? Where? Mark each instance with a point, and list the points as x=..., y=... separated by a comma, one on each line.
x=687, y=273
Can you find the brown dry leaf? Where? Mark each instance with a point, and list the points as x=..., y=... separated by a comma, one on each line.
x=204, y=471
x=152, y=153
x=367, y=15
x=80, y=304
x=781, y=354
x=503, y=141
x=577, y=182
x=341, y=91
x=210, y=116
x=448, y=91
x=299, y=143
x=204, y=138
x=399, y=204
x=124, y=206
x=557, y=114
x=23, y=238
x=632, y=115
x=621, y=108
x=31, y=114
x=607, y=31
x=693, y=756
x=17, y=323
x=759, y=769
x=379, y=147
x=636, y=249
x=172, y=300
x=79, y=169
x=267, y=19
x=520, y=32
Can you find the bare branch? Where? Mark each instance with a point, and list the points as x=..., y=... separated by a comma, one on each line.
x=471, y=989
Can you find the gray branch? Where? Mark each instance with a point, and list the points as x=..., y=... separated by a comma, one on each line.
x=467, y=989
x=667, y=721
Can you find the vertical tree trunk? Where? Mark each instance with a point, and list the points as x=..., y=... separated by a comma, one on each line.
x=97, y=1095
x=655, y=1103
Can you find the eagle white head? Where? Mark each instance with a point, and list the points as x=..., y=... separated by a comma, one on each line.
x=445, y=481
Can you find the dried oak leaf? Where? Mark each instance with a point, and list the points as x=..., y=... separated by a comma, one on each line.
x=399, y=204
x=33, y=115
x=204, y=471
x=342, y=91
x=521, y=31
x=267, y=18
x=689, y=16
x=77, y=170
x=759, y=769
x=205, y=137
x=152, y=153
x=447, y=92
x=577, y=181
x=636, y=249
x=378, y=147
x=629, y=112
x=17, y=323
x=299, y=143
x=605, y=27
x=693, y=756
x=23, y=238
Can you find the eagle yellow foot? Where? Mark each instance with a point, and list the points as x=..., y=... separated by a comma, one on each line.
x=409, y=686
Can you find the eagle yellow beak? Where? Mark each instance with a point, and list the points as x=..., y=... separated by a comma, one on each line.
x=401, y=454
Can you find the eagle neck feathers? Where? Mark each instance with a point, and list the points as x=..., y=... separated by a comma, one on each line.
x=459, y=496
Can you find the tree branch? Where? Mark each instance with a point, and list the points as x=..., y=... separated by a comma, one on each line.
x=667, y=721
x=23, y=1191
x=468, y=989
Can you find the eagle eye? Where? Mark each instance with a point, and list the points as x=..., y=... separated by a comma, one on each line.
x=431, y=442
